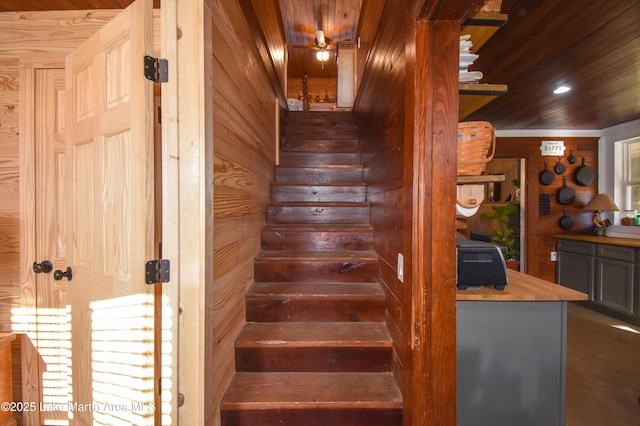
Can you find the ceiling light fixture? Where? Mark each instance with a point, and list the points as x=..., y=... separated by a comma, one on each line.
x=322, y=55
x=561, y=89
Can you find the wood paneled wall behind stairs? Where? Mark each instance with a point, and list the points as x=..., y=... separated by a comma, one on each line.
x=406, y=109
x=244, y=158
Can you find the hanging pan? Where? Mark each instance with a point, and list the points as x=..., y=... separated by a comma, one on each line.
x=571, y=159
x=559, y=168
x=566, y=222
x=565, y=195
x=583, y=174
x=546, y=176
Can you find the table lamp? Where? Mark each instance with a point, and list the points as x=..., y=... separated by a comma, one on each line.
x=601, y=203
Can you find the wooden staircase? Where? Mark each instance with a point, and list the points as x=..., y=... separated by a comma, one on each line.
x=315, y=350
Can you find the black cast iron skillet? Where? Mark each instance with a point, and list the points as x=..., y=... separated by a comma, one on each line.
x=559, y=167
x=583, y=174
x=566, y=222
x=546, y=176
x=571, y=159
x=565, y=195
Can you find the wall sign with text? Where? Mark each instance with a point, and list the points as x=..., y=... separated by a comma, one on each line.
x=552, y=148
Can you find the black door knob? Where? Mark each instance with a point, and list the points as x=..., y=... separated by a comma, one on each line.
x=43, y=267
x=58, y=274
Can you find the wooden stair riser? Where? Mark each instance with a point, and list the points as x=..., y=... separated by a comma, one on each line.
x=300, y=192
x=315, y=271
x=316, y=240
x=314, y=359
x=299, y=308
x=318, y=118
x=315, y=302
x=321, y=131
x=317, y=213
x=320, y=158
x=315, y=175
x=319, y=145
x=314, y=417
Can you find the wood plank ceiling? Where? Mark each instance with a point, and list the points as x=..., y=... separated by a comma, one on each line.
x=338, y=19
x=592, y=46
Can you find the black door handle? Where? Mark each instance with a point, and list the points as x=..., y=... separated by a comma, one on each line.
x=43, y=267
x=58, y=274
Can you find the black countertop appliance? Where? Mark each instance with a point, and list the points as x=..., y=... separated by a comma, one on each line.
x=480, y=263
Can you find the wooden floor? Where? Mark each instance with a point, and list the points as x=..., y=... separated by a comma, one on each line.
x=603, y=370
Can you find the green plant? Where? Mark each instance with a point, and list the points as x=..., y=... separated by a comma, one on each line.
x=504, y=234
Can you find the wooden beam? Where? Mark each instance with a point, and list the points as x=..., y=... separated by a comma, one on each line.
x=433, y=127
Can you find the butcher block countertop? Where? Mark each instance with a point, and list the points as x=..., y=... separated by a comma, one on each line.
x=522, y=288
x=619, y=241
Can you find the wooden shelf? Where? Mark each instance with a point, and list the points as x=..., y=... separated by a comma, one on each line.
x=481, y=27
x=475, y=96
x=480, y=179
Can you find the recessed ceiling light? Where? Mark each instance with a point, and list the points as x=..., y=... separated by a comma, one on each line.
x=561, y=89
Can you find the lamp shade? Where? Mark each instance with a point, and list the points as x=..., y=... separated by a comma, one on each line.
x=602, y=202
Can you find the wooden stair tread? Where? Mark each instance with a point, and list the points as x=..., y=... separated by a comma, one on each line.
x=329, y=184
x=312, y=390
x=306, y=256
x=315, y=132
x=314, y=227
x=321, y=166
x=314, y=334
x=310, y=159
x=313, y=289
x=320, y=203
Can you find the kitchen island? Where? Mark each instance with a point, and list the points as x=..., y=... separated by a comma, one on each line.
x=511, y=352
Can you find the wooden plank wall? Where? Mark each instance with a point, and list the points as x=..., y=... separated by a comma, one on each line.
x=380, y=117
x=244, y=157
x=9, y=192
x=407, y=137
x=541, y=229
x=406, y=110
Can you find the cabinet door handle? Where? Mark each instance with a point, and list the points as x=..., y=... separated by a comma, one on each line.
x=58, y=274
x=43, y=267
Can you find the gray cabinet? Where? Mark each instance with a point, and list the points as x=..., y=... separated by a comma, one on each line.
x=575, y=267
x=511, y=363
x=615, y=282
x=608, y=273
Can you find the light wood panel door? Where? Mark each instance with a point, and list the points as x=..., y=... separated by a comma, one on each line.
x=110, y=222
x=51, y=337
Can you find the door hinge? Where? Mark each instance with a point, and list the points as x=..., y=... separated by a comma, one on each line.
x=157, y=271
x=155, y=69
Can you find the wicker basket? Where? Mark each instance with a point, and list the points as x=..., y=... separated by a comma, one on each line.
x=476, y=146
